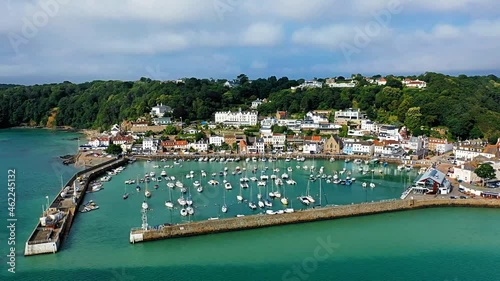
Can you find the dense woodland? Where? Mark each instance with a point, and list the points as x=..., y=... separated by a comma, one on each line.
x=468, y=106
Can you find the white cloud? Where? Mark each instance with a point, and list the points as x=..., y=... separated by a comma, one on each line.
x=262, y=34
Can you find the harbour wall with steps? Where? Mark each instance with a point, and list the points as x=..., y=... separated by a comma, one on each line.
x=33, y=247
x=310, y=215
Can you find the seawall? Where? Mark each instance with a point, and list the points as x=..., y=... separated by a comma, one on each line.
x=310, y=215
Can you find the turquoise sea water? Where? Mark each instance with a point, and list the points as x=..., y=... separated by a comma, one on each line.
x=434, y=244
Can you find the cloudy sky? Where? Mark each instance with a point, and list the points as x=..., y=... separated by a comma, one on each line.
x=45, y=41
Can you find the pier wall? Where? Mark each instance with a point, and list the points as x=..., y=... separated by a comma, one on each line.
x=318, y=214
x=34, y=247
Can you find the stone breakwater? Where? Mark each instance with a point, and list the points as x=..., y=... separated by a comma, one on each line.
x=310, y=215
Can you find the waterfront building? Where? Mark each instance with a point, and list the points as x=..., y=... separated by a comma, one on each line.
x=149, y=145
x=216, y=140
x=333, y=145
x=200, y=146
x=465, y=172
x=168, y=145
x=237, y=119
x=268, y=122
x=278, y=141
x=433, y=181
x=260, y=145
x=181, y=145
x=311, y=147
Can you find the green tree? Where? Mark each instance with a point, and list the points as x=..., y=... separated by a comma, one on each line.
x=413, y=119
x=114, y=149
x=171, y=130
x=485, y=172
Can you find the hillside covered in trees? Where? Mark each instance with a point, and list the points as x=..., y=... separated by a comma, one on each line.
x=468, y=106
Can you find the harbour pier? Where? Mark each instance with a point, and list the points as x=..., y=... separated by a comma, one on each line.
x=55, y=222
x=310, y=215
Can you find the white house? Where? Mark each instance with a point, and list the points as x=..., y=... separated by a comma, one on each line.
x=115, y=130
x=268, y=122
x=309, y=84
x=200, y=146
x=382, y=82
x=240, y=118
x=465, y=172
x=414, y=83
x=369, y=126
x=342, y=85
x=349, y=114
x=149, y=145
x=256, y=103
x=317, y=118
x=311, y=148
x=160, y=110
x=388, y=132
x=216, y=140
x=292, y=124
x=261, y=146
x=278, y=141
x=362, y=147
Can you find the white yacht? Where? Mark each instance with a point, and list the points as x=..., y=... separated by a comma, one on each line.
x=169, y=204
x=145, y=205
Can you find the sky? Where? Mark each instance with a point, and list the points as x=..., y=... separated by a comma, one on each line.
x=47, y=41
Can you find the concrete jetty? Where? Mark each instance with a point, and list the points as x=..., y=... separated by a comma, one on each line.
x=55, y=223
x=310, y=215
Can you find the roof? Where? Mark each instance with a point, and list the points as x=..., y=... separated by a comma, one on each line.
x=433, y=175
x=181, y=142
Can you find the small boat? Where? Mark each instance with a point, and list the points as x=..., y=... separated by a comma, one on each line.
x=372, y=185
x=183, y=190
x=268, y=203
x=197, y=184
x=156, y=186
x=284, y=176
x=284, y=201
x=252, y=205
x=145, y=205
x=190, y=211
x=289, y=210
x=181, y=201
x=270, y=212
x=184, y=212
x=179, y=184
x=125, y=196
x=304, y=200
x=169, y=204
x=228, y=186
x=363, y=184
x=171, y=185
x=199, y=189
x=163, y=173
x=224, y=209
